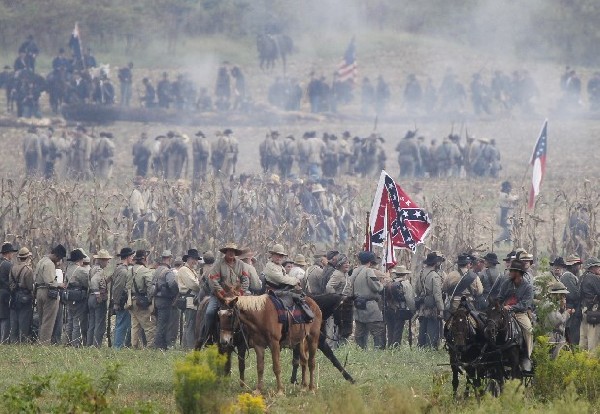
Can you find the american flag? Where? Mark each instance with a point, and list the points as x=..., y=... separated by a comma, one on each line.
x=395, y=213
x=538, y=161
x=75, y=44
x=347, y=69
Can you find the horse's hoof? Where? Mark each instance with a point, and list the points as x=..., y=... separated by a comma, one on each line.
x=280, y=393
x=256, y=392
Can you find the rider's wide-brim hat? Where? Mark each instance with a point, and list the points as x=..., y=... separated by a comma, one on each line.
x=557, y=287
x=231, y=246
x=518, y=265
x=433, y=258
x=278, y=249
x=572, y=259
x=491, y=258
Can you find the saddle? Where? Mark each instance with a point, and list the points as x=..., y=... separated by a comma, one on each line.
x=291, y=303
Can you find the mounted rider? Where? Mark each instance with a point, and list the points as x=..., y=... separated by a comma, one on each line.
x=516, y=296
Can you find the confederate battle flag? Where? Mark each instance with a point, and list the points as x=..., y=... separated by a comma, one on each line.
x=395, y=213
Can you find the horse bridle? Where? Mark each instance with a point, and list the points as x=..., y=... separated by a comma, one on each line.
x=236, y=322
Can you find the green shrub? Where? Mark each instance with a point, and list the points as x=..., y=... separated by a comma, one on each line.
x=70, y=392
x=578, y=369
x=199, y=382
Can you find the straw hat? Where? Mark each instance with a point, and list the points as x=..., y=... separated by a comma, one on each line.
x=572, y=260
x=24, y=253
x=401, y=270
x=278, y=249
x=103, y=254
x=300, y=260
x=231, y=246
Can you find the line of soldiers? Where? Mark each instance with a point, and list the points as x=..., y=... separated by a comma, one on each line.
x=477, y=158
x=167, y=156
x=154, y=302
x=76, y=153
x=326, y=157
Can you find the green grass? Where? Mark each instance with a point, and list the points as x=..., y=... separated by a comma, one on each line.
x=397, y=380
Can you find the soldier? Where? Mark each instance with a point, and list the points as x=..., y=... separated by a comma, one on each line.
x=506, y=205
x=446, y=155
x=463, y=282
x=428, y=290
x=228, y=275
x=490, y=279
x=480, y=95
x=176, y=156
x=412, y=94
x=312, y=280
x=368, y=316
x=270, y=151
x=189, y=285
x=425, y=157
x=102, y=155
x=61, y=61
x=409, y=155
x=330, y=156
x=77, y=295
x=316, y=151
x=163, y=91
x=98, y=299
x=286, y=161
x=21, y=280
x=81, y=152
x=32, y=150
x=339, y=281
x=367, y=96
x=570, y=279
x=494, y=155
x=382, y=95
x=217, y=153
x=149, y=98
x=201, y=151
x=345, y=153
x=433, y=168
x=589, y=294
x=47, y=292
x=141, y=289
x=89, y=61
x=6, y=255
x=126, y=81
x=400, y=305
x=249, y=260
x=299, y=268
x=516, y=295
x=166, y=292
x=119, y=296
x=481, y=164
x=141, y=155
x=223, y=87
x=230, y=152
x=30, y=49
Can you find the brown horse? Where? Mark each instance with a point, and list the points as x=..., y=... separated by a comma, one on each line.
x=259, y=322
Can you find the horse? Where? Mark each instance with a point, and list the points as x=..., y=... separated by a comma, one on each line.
x=232, y=338
x=342, y=309
x=259, y=320
x=466, y=346
x=504, y=337
x=271, y=47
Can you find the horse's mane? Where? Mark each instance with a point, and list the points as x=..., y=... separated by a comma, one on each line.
x=252, y=303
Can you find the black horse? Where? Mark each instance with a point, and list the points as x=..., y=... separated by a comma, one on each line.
x=505, y=340
x=341, y=308
x=271, y=47
x=466, y=346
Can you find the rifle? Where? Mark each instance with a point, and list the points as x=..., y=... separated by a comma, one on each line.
x=109, y=317
x=180, y=328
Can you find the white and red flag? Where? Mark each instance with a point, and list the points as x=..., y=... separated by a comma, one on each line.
x=395, y=217
x=538, y=162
